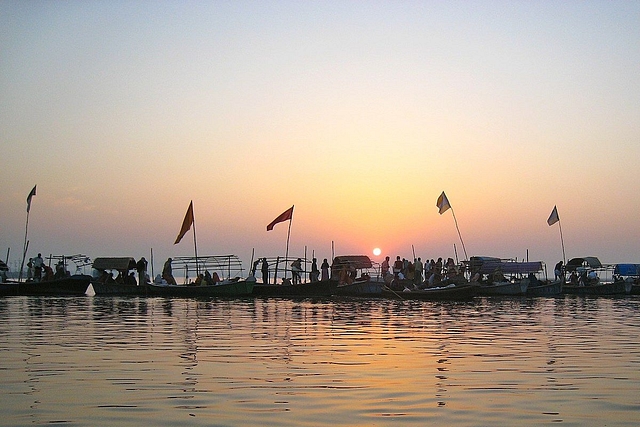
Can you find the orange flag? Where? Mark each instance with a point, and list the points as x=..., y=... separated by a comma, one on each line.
x=284, y=216
x=186, y=224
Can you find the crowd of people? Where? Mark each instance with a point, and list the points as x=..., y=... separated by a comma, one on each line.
x=404, y=272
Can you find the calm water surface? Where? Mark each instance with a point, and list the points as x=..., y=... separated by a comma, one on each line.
x=154, y=361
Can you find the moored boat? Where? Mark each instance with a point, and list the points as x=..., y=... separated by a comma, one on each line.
x=544, y=288
x=356, y=276
x=124, y=283
x=285, y=277
x=227, y=288
x=588, y=276
x=58, y=282
x=497, y=276
x=451, y=292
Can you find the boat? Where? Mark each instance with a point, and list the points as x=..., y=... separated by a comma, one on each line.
x=279, y=283
x=124, y=282
x=588, y=276
x=225, y=281
x=497, y=276
x=59, y=282
x=544, y=288
x=450, y=292
x=630, y=273
x=357, y=276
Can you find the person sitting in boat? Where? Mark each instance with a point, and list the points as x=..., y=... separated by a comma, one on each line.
x=48, y=273
x=345, y=276
x=199, y=280
x=498, y=276
x=60, y=272
x=592, y=278
x=573, y=278
x=215, y=279
x=131, y=279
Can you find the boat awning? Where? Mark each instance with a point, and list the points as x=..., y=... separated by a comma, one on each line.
x=490, y=266
x=354, y=261
x=114, y=263
x=627, y=269
x=591, y=261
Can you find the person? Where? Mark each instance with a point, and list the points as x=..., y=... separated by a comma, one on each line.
x=315, y=273
x=208, y=280
x=397, y=267
x=48, y=273
x=296, y=268
x=325, y=270
x=384, y=268
x=167, y=272
x=141, y=266
x=131, y=279
x=255, y=267
x=265, y=271
x=38, y=263
x=557, y=270
x=419, y=268
x=30, y=270
x=60, y=272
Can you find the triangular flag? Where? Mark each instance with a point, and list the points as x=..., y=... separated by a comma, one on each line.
x=443, y=203
x=31, y=194
x=186, y=224
x=286, y=215
x=553, y=218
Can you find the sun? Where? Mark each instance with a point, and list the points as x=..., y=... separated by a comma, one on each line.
x=377, y=251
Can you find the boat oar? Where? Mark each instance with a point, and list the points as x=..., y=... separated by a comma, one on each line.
x=392, y=291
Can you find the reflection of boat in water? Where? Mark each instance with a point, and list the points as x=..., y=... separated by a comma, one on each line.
x=216, y=276
x=451, y=292
x=356, y=276
x=123, y=267
x=588, y=276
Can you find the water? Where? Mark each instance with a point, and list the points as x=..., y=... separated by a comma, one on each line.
x=154, y=361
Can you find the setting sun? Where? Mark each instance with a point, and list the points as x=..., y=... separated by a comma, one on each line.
x=377, y=251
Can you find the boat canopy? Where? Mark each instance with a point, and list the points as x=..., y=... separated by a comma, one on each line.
x=511, y=267
x=114, y=263
x=353, y=261
x=590, y=261
x=627, y=269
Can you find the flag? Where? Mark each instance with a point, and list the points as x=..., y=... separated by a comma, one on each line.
x=31, y=194
x=186, y=224
x=284, y=216
x=443, y=203
x=553, y=218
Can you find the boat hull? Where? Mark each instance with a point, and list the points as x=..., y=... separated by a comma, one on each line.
x=447, y=293
x=228, y=289
x=361, y=288
x=504, y=288
x=309, y=289
x=612, y=288
x=67, y=286
x=116, y=289
x=545, y=290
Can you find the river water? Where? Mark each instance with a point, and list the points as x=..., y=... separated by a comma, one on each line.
x=90, y=361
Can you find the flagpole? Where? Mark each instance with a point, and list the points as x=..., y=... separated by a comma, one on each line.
x=564, y=257
x=24, y=247
x=286, y=254
x=195, y=245
x=466, y=258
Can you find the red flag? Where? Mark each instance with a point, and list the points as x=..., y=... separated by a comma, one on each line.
x=31, y=194
x=284, y=216
x=186, y=224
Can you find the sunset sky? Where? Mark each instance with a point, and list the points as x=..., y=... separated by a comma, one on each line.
x=358, y=113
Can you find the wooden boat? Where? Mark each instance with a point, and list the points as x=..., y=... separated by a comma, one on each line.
x=123, y=267
x=497, y=276
x=280, y=283
x=588, y=276
x=544, y=288
x=227, y=288
x=356, y=276
x=450, y=292
x=225, y=280
x=74, y=285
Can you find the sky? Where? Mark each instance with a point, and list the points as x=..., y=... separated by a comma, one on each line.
x=357, y=113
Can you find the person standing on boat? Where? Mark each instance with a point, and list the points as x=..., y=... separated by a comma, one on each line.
x=315, y=273
x=557, y=270
x=325, y=270
x=141, y=266
x=167, y=272
x=384, y=268
x=397, y=267
x=296, y=269
x=38, y=263
x=265, y=271
x=419, y=269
